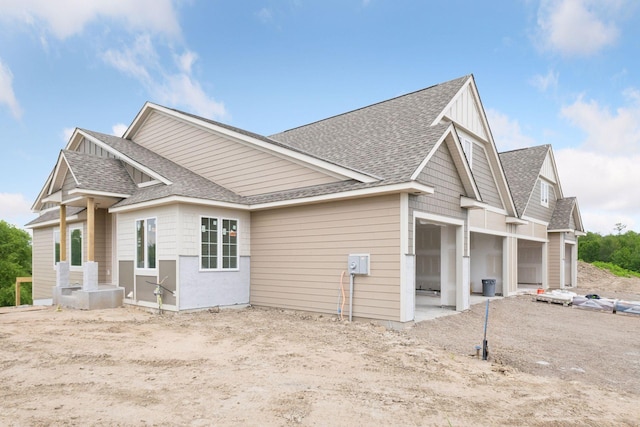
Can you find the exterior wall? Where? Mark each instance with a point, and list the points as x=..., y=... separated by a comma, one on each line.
x=486, y=221
x=299, y=253
x=189, y=226
x=555, y=260
x=43, y=271
x=534, y=207
x=484, y=178
x=486, y=260
x=443, y=176
x=237, y=166
x=465, y=112
x=178, y=244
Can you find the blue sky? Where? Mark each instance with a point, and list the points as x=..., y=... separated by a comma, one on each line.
x=562, y=72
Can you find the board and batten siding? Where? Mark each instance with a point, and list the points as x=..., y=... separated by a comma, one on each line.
x=464, y=111
x=237, y=166
x=298, y=254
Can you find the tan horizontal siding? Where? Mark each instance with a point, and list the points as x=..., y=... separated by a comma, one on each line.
x=43, y=272
x=240, y=167
x=298, y=254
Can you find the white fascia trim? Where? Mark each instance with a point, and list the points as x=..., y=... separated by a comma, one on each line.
x=423, y=164
x=451, y=101
x=125, y=158
x=75, y=199
x=82, y=192
x=489, y=231
x=53, y=198
x=56, y=171
x=535, y=221
x=148, y=183
x=469, y=203
x=529, y=238
x=437, y=218
x=177, y=199
x=340, y=171
x=517, y=221
x=408, y=187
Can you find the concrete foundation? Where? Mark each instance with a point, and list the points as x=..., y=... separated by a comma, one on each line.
x=90, y=276
x=106, y=296
x=62, y=273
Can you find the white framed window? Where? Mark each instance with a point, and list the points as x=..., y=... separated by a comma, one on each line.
x=76, y=249
x=467, y=147
x=56, y=246
x=544, y=194
x=146, y=238
x=218, y=243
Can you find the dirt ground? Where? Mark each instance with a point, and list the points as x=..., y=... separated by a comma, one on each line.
x=549, y=365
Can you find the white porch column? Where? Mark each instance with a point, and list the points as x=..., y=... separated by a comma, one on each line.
x=90, y=268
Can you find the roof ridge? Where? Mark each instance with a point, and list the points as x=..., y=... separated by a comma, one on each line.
x=373, y=105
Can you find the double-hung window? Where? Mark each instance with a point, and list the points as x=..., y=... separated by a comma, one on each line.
x=146, y=243
x=218, y=243
x=544, y=194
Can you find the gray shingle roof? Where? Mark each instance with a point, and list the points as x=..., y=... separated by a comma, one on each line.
x=99, y=174
x=388, y=139
x=522, y=168
x=55, y=215
x=561, y=218
x=183, y=182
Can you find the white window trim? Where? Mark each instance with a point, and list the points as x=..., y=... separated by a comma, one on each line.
x=56, y=230
x=219, y=263
x=70, y=247
x=145, y=269
x=544, y=193
x=468, y=154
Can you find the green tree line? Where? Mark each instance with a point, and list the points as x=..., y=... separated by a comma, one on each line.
x=15, y=261
x=622, y=249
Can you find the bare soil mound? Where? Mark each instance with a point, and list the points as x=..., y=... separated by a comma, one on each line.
x=549, y=365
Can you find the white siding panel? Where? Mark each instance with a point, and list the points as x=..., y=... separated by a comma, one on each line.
x=465, y=112
x=190, y=228
x=237, y=166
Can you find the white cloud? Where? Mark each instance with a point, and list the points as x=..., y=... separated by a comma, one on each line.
x=613, y=133
x=174, y=88
x=606, y=187
x=7, y=96
x=578, y=27
x=66, y=18
x=15, y=209
x=66, y=134
x=506, y=132
x=119, y=129
x=542, y=83
x=134, y=60
x=265, y=15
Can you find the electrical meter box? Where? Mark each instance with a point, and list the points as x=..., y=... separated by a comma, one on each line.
x=358, y=264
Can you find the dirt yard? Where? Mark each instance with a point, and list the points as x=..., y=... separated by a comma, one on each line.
x=549, y=365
